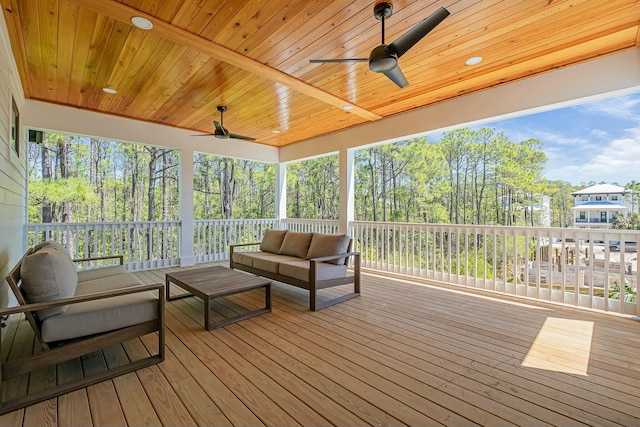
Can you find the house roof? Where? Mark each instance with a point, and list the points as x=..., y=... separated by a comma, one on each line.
x=601, y=189
x=254, y=57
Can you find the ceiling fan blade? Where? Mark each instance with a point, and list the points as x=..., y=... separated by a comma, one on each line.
x=205, y=134
x=415, y=34
x=236, y=136
x=397, y=77
x=219, y=129
x=322, y=61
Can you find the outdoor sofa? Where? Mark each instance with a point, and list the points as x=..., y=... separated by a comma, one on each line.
x=311, y=261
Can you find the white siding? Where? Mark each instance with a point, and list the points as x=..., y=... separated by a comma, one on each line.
x=13, y=182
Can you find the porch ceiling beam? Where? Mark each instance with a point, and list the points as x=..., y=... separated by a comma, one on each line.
x=122, y=13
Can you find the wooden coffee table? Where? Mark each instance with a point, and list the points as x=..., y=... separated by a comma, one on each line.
x=209, y=283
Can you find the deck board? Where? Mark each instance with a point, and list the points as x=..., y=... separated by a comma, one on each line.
x=403, y=353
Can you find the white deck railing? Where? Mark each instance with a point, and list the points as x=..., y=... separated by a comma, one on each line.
x=213, y=237
x=310, y=225
x=144, y=244
x=568, y=266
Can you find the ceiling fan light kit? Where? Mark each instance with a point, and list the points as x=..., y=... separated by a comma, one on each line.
x=384, y=58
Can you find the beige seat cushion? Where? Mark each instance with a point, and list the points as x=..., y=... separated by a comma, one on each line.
x=93, y=317
x=107, y=283
x=267, y=261
x=47, y=275
x=328, y=244
x=99, y=273
x=296, y=244
x=300, y=270
x=272, y=240
x=243, y=258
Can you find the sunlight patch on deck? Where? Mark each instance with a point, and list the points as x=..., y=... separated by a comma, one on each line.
x=562, y=345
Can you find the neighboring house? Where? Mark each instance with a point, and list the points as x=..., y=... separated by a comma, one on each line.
x=598, y=205
x=522, y=209
x=542, y=210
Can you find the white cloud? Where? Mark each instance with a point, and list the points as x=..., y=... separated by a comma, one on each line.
x=624, y=107
x=615, y=162
x=599, y=134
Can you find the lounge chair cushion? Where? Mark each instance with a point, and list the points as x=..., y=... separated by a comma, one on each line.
x=272, y=240
x=98, y=316
x=300, y=270
x=328, y=244
x=47, y=275
x=99, y=273
x=93, y=317
x=296, y=244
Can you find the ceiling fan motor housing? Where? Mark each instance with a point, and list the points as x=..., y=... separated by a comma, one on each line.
x=381, y=60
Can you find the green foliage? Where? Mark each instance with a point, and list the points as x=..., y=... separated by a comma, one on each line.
x=630, y=221
x=74, y=178
x=313, y=188
x=230, y=188
x=468, y=177
x=629, y=292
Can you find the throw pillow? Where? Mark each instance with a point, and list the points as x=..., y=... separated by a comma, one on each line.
x=329, y=244
x=48, y=275
x=53, y=245
x=296, y=244
x=272, y=240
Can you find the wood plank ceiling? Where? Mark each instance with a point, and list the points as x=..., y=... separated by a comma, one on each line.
x=253, y=56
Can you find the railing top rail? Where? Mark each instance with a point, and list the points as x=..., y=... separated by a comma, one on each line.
x=99, y=224
x=552, y=230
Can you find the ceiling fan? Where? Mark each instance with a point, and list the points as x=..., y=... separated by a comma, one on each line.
x=384, y=58
x=223, y=133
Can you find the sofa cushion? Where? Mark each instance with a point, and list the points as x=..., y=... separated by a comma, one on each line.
x=300, y=270
x=296, y=244
x=243, y=258
x=272, y=240
x=48, y=274
x=328, y=244
x=267, y=261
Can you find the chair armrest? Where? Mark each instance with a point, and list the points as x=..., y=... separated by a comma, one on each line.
x=119, y=257
x=330, y=257
x=83, y=298
x=244, y=244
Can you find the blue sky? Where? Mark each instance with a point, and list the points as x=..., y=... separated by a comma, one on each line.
x=598, y=141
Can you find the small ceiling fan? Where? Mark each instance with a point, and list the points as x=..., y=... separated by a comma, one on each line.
x=384, y=58
x=223, y=133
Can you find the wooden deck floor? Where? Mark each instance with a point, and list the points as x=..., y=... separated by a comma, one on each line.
x=403, y=353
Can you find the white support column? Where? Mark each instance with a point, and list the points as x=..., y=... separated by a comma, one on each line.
x=185, y=177
x=281, y=192
x=346, y=165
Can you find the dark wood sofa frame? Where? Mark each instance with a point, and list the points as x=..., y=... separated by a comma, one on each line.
x=312, y=285
x=58, y=352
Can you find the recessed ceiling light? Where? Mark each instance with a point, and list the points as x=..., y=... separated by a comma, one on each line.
x=275, y=131
x=142, y=23
x=474, y=60
x=348, y=107
x=109, y=90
